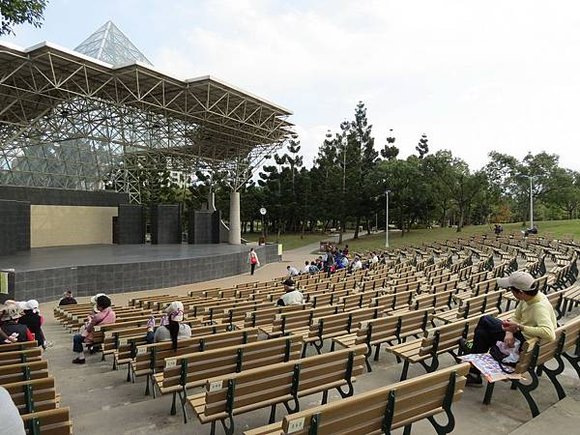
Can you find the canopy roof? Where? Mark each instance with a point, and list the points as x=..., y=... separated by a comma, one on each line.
x=71, y=119
x=36, y=79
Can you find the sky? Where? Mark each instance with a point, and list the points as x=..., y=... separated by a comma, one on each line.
x=475, y=77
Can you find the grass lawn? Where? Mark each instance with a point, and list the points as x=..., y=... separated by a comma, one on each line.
x=550, y=229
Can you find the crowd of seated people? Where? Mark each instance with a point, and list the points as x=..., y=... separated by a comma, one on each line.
x=335, y=259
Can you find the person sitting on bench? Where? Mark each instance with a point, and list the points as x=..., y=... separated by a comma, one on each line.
x=104, y=315
x=12, y=330
x=171, y=327
x=534, y=318
x=292, y=296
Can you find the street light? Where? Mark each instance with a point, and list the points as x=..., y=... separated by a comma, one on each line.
x=531, y=178
x=263, y=213
x=387, y=218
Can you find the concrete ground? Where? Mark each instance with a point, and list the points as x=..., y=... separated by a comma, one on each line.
x=101, y=400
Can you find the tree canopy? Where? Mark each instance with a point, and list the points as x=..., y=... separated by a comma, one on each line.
x=15, y=12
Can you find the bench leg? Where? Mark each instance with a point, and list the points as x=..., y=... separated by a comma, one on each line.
x=377, y=350
x=229, y=426
x=368, y=364
x=488, y=393
x=552, y=375
x=407, y=430
x=272, y=417
x=147, y=390
x=173, y=409
x=183, y=399
x=153, y=387
x=324, y=398
x=526, y=390
x=405, y=370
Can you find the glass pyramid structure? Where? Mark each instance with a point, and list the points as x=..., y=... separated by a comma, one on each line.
x=111, y=45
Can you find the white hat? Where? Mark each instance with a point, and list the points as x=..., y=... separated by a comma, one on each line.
x=32, y=304
x=175, y=311
x=11, y=312
x=521, y=280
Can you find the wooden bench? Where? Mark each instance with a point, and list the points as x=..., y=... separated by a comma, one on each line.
x=20, y=345
x=33, y=395
x=49, y=422
x=335, y=325
x=439, y=301
x=192, y=370
x=150, y=358
x=394, y=301
x=535, y=355
x=473, y=306
x=20, y=356
x=397, y=327
x=10, y=373
x=297, y=321
x=283, y=383
x=381, y=410
x=436, y=341
x=571, y=297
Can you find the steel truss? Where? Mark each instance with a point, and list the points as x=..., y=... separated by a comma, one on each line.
x=70, y=121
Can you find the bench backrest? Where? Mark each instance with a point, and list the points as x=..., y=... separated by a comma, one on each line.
x=152, y=356
x=193, y=370
x=50, y=422
x=437, y=301
x=33, y=395
x=482, y=303
x=382, y=409
x=288, y=321
x=20, y=356
x=393, y=301
x=276, y=383
x=22, y=345
x=10, y=373
x=335, y=324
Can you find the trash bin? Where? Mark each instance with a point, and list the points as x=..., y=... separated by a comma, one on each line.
x=261, y=241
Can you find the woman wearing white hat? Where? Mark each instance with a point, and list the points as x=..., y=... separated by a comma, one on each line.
x=11, y=327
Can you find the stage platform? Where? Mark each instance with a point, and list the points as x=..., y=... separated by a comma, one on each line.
x=45, y=273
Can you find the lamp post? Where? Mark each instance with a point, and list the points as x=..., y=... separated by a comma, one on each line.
x=531, y=178
x=263, y=213
x=387, y=218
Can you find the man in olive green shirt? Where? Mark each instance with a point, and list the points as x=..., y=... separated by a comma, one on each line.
x=534, y=318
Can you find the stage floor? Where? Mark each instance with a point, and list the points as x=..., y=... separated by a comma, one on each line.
x=92, y=255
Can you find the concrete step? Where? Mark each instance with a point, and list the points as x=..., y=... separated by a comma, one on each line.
x=564, y=416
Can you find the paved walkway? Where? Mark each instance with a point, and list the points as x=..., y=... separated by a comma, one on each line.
x=102, y=402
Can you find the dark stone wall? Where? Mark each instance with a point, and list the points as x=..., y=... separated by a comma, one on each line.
x=46, y=196
x=165, y=224
x=14, y=226
x=131, y=224
x=48, y=285
x=203, y=227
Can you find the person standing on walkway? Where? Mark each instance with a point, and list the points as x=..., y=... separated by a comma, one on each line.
x=253, y=260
